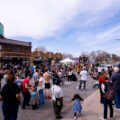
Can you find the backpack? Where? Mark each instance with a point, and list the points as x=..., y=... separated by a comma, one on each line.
x=109, y=95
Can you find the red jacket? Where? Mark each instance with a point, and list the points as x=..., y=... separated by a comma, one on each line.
x=101, y=80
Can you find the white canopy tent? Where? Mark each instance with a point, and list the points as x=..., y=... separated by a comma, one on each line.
x=67, y=60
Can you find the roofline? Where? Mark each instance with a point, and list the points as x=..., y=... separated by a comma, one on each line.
x=30, y=45
x=18, y=40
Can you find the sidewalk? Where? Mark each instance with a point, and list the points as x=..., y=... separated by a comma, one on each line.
x=93, y=109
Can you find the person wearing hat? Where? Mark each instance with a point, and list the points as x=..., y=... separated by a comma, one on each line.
x=57, y=97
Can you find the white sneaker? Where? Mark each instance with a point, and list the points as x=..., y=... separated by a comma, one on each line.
x=101, y=118
x=75, y=118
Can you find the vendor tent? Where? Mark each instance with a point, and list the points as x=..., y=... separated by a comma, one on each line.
x=67, y=60
x=92, y=61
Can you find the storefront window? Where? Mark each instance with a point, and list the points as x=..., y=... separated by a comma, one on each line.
x=16, y=49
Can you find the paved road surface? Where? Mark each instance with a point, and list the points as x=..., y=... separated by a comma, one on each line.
x=45, y=112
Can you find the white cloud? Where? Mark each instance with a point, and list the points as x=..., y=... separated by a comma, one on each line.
x=39, y=18
x=36, y=18
x=45, y=18
x=108, y=35
x=94, y=12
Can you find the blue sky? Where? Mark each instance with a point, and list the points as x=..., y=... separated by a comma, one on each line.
x=67, y=26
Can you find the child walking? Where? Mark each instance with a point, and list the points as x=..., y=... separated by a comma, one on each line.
x=77, y=107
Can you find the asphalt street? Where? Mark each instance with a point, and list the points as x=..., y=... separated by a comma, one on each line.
x=45, y=112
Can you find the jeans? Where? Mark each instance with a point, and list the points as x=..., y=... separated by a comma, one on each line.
x=26, y=99
x=101, y=95
x=10, y=111
x=106, y=104
x=41, y=98
x=82, y=82
x=117, y=99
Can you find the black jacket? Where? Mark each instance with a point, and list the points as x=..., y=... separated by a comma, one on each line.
x=116, y=81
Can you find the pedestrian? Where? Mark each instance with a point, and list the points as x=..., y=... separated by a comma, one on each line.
x=25, y=91
x=77, y=107
x=18, y=81
x=101, y=80
x=110, y=70
x=83, y=75
x=78, y=69
x=27, y=71
x=56, y=76
x=47, y=77
x=34, y=95
x=40, y=89
x=70, y=75
x=57, y=97
x=5, y=76
x=1, y=76
x=106, y=102
x=115, y=78
x=36, y=75
x=99, y=70
x=10, y=98
x=95, y=75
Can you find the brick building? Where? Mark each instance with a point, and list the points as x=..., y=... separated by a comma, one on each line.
x=39, y=56
x=17, y=52
x=14, y=52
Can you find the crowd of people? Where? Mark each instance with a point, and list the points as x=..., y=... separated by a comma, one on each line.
x=35, y=81
x=109, y=86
